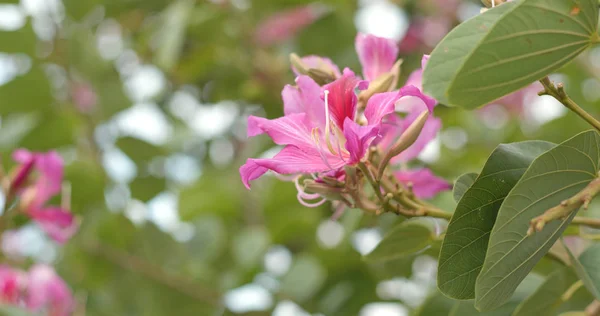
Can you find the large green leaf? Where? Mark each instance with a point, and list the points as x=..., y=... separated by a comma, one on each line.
x=548, y=297
x=465, y=244
x=404, y=240
x=508, y=47
x=553, y=177
x=587, y=268
x=462, y=184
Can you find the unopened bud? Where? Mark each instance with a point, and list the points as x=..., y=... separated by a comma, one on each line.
x=320, y=76
x=492, y=3
x=329, y=192
x=298, y=64
x=407, y=138
x=383, y=83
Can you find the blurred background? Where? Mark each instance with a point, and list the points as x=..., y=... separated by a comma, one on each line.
x=146, y=100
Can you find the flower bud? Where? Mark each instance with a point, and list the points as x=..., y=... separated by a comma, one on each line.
x=297, y=63
x=383, y=83
x=329, y=192
x=492, y=3
x=321, y=76
x=408, y=137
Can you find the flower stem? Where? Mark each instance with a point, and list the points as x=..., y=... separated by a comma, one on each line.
x=558, y=92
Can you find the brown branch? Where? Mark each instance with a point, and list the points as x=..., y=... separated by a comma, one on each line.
x=138, y=265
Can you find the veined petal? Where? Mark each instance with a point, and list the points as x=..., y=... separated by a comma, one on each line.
x=417, y=103
x=291, y=160
x=424, y=183
x=380, y=105
x=59, y=224
x=358, y=139
x=377, y=55
x=26, y=159
x=342, y=98
x=286, y=130
x=322, y=63
x=305, y=98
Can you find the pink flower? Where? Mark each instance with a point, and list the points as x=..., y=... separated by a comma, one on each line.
x=11, y=283
x=56, y=222
x=320, y=135
x=424, y=183
x=47, y=291
x=84, y=97
x=411, y=106
x=285, y=24
x=377, y=55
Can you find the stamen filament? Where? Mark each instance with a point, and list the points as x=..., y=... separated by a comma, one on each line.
x=327, y=123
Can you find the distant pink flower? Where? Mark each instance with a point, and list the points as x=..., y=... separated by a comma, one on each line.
x=424, y=33
x=56, y=222
x=424, y=183
x=516, y=101
x=320, y=136
x=47, y=291
x=11, y=283
x=377, y=55
x=84, y=97
x=285, y=24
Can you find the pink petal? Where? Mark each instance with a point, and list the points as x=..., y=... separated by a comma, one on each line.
x=425, y=184
x=46, y=290
x=59, y=224
x=358, y=139
x=380, y=105
x=342, y=98
x=409, y=99
x=285, y=24
x=10, y=284
x=49, y=183
x=291, y=160
x=286, y=130
x=377, y=55
x=417, y=103
x=416, y=77
x=27, y=161
x=305, y=98
x=428, y=133
x=251, y=171
x=323, y=63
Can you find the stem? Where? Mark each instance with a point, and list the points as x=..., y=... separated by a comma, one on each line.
x=571, y=290
x=154, y=272
x=365, y=170
x=558, y=92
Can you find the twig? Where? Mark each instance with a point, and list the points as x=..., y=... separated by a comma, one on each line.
x=558, y=92
x=566, y=207
x=154, y=272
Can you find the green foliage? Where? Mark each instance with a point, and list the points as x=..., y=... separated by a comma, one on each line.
x=462, y=184
x=586, y=267
x=549, y=296
x=407, y=238
x=552, y=177
x=464, y=247
x=507, y=48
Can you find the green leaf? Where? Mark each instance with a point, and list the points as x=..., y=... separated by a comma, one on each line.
x=553, y=177
x=548, y=297
x=16, y=96
x=465, y=244
x=462, y=184
x=507, y=48
x=138, y=150
x=406, y=239
x=587, y=268
x=436, y=304
x=145, y=188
